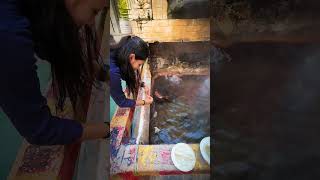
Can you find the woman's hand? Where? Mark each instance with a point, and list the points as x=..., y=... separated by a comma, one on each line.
x=94, y=131
x=149, y=99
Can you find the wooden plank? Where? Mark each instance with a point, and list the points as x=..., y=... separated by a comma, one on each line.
x=141, y=118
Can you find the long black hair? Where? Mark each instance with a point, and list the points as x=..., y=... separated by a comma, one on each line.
x=126, y=46
x=70, y=49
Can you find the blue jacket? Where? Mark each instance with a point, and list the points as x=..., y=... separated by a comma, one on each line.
x=115, y=85
x=20, y=96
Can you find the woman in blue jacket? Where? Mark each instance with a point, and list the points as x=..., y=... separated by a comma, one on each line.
x=59, y=31
x=126, y=59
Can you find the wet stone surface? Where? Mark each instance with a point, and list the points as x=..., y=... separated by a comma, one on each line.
x=266, y=114
x=184, y=115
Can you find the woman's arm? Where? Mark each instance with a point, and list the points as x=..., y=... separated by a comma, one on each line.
x=116, y=90
x=140, y=102
x=22, y=101
x=118, y=95
x=146, y=101
x=94, y=131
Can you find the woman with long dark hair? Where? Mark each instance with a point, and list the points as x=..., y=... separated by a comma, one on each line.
x=126, y=58
x=61, y=32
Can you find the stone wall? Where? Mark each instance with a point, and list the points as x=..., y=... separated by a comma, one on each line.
x=171, y=30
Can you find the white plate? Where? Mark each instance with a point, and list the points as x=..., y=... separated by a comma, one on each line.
x=205, y=149
x=183, y=157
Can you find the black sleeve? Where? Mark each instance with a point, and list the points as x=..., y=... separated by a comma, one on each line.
x=20, y=96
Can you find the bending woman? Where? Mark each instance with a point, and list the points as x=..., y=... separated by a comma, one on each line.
x=59, y=31
x=126, y=59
